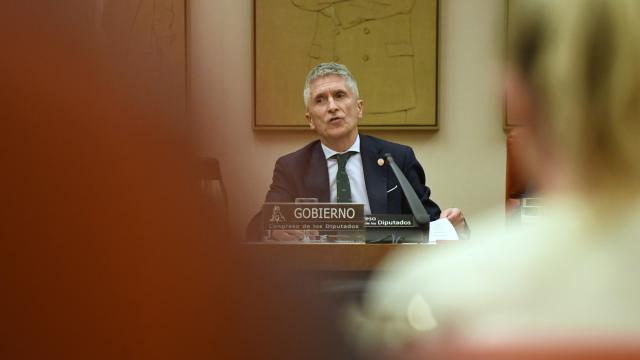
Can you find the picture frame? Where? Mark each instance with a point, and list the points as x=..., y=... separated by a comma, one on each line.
x=148, y=38
x=391, y=50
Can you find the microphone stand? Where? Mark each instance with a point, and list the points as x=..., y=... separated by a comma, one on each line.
x=417, y=209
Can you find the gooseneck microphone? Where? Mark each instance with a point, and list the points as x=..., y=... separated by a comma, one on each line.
x=418, y=210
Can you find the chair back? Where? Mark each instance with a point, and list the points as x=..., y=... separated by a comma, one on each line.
x=213, y=189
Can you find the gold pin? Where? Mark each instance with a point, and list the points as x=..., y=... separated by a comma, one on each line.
x=380, y=162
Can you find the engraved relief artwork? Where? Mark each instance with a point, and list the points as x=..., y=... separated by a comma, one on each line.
x=374, y=38
x=141, y=25
x=390, y=47
x=149, y=36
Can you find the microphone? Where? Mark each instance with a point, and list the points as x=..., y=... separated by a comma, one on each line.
x=418, y=210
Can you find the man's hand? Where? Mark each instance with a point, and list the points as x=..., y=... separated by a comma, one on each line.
x=455, y=216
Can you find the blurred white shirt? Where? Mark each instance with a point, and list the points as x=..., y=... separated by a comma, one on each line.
x=572, y=274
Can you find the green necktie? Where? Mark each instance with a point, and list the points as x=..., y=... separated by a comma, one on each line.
x=342, y=179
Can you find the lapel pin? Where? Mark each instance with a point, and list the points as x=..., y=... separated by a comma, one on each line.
x=380, y=162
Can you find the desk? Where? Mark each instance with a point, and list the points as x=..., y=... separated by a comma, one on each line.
x=328, y=256
x=313, y=284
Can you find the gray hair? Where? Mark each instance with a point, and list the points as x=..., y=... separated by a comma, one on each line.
x=327, y=69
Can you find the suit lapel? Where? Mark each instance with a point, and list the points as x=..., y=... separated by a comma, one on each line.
x=375, y=176
x=317, y=175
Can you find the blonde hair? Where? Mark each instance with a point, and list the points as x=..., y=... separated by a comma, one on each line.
x=581, y=59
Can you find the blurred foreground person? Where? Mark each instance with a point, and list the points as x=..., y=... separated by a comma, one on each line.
x=574, y=80
x=106, y=250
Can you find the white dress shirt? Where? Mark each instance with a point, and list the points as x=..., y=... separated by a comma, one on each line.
x=355, y=173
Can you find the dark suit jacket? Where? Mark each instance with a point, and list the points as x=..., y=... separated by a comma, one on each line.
x=304, y=174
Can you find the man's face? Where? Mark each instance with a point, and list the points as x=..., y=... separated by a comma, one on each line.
x=333, y=111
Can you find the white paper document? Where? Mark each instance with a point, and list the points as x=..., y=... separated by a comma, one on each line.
x=441, y=229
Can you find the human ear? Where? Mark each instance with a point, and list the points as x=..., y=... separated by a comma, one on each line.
x=307, y=117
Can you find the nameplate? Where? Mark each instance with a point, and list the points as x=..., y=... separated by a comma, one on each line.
x=313, y=216
x=390, y=221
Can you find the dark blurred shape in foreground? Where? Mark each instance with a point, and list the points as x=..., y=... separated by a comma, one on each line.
x=106, y=250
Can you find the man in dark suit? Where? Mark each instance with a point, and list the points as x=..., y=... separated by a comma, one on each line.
x=344, y=165
x=304, y=174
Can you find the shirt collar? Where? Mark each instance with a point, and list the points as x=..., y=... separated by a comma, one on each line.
x=329, y=152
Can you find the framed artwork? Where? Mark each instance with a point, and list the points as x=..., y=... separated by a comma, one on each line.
x=149, y=37
x=389, y=46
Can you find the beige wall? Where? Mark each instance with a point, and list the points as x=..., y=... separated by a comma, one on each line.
x=464, y=159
